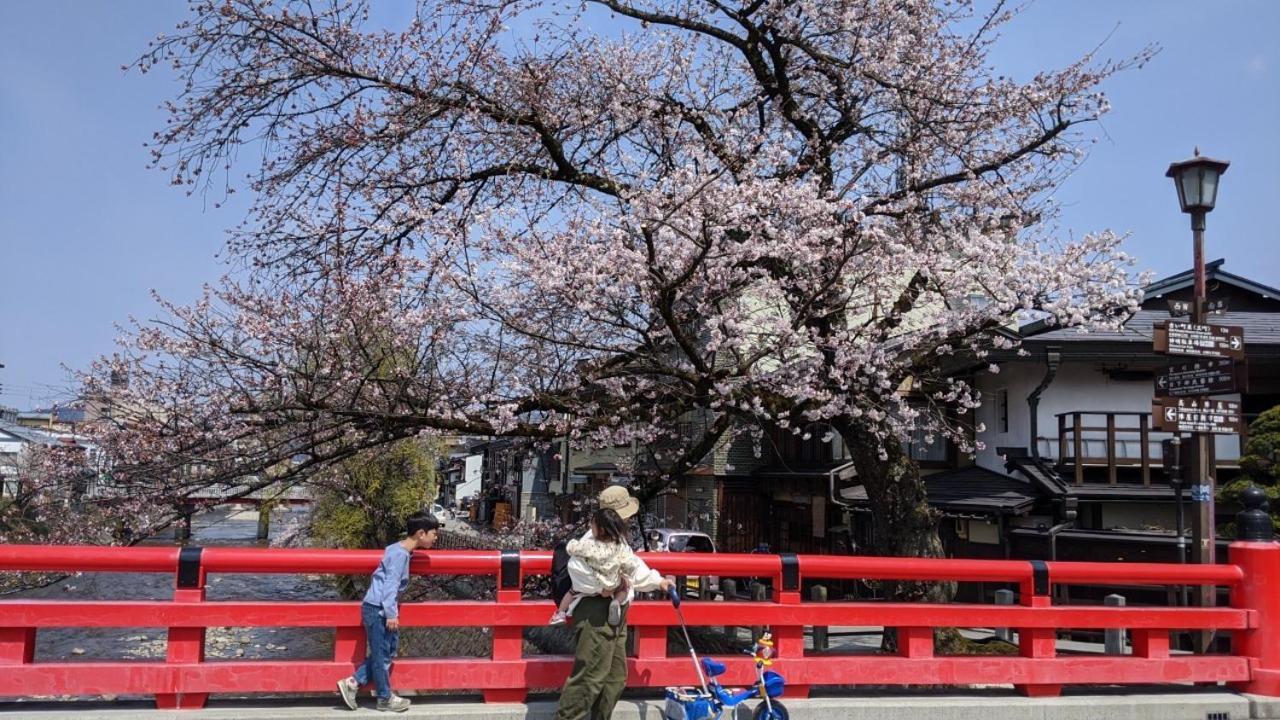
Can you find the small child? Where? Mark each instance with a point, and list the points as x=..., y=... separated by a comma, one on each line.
x=609, y=558
x=380, y=613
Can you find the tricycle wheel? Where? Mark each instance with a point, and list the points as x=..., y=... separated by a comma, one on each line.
x=777, y=712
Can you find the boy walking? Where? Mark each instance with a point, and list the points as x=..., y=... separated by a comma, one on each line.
x=380, y=613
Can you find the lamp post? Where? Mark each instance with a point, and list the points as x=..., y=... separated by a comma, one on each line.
x=1197, y=183
x=1175, y=479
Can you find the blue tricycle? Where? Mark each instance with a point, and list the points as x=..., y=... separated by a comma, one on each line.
x=708, y=702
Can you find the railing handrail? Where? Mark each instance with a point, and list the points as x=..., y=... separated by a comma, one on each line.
x=479, y=613
x=293, y=561
x=1135, y=413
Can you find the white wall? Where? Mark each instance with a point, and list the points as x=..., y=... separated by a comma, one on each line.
x=9, y=468
x=1077, y=386
x=470, y=485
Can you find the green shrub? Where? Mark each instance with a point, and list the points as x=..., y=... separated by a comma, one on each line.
x=1261, y=463
x=364, y=502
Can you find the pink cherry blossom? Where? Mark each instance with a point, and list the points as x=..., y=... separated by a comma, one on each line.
x=625, y=221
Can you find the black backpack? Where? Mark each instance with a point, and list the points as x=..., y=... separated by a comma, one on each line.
x=561, y=583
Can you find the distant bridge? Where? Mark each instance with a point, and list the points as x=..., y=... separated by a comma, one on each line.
x=224, y=494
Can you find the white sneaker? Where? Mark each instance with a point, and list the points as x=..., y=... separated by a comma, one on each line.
x=395, y=703
x=348, y=688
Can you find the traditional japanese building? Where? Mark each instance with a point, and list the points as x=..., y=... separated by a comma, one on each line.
x=1072, y=464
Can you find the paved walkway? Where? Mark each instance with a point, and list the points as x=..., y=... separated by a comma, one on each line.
x=976, y=705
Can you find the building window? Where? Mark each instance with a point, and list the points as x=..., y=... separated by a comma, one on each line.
x=1002, y=411
x=926, y=445
x=921, y=450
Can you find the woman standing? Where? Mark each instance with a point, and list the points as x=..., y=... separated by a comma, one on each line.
x=600, y=661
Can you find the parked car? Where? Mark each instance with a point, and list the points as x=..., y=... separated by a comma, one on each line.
x=441, y=512
x=679, y=540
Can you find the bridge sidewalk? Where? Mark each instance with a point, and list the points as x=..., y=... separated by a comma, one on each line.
x=995, y=705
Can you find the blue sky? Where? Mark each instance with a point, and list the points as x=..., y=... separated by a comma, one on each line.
x=86, y=231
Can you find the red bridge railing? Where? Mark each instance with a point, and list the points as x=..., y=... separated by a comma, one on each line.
x=185, y=679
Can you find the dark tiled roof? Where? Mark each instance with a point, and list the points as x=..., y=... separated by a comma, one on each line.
x=1260, y=328
x=28, y=434
x=1213, y=272
x=969, y=490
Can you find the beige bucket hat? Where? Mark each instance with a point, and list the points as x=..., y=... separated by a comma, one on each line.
x=616, y=498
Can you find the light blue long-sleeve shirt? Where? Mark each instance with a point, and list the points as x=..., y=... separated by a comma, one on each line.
x=389, y=580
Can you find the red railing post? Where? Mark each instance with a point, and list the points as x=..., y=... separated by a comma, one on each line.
x=185, y=644
x=915, y=642
x=349, y=645
x=508, y=641
x=651, y=642
x=1150, y=643
x=789, y=639
x=1037, y=642
x=17, y=645
x=1259, y=594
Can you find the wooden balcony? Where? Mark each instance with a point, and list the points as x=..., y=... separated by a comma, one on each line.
x=1095, y=440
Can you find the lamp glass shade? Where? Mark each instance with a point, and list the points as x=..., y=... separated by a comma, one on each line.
x=1208, y=187
x=1189, y=191
x=1197, y=182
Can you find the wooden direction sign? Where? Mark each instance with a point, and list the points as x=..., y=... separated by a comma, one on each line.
x=1197, y=340
x=1201, y=377
x=1194, y=415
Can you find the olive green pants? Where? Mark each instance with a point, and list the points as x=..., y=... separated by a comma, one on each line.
x=599, y=664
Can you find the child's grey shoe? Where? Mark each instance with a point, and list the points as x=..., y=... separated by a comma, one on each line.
x=615, y=613
x=347, y=688
x=395, y=703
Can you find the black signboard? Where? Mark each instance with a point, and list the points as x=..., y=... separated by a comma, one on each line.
x=1193, y=415
x=1198, y=340
x=1201, y=377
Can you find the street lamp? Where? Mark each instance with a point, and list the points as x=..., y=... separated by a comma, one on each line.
x=1197, y=183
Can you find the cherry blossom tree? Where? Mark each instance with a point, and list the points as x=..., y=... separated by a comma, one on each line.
x=604, y=219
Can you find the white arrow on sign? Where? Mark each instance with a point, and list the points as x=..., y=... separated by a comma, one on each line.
x=1162, y=382
x=1235, y=343
x=1170, y=414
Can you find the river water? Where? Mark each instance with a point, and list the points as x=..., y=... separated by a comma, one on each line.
x=219, y=528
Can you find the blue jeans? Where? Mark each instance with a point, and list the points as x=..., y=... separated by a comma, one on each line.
x=383, y=645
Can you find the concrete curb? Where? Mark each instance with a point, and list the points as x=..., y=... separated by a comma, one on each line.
x=1189, y=705
x=1261, y=706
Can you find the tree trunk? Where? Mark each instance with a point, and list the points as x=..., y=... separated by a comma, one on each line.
x=903, y=524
